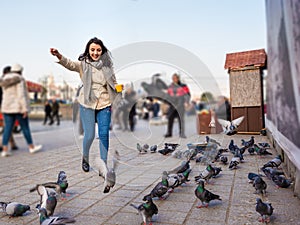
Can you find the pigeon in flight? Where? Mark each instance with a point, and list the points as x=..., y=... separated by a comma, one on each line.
x=108, y=173
x=204, y=195
x=49, y=220
x=48, y=201
x=14, y=209
x=264, y=209
x=230, y=127
x=60, y=186
x=146, y=210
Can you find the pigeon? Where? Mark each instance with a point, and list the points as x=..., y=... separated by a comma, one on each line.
x=145, y=147
x=261, y=151
x=224, y=159
x=274, y=162
x=217, y=171
x=252, y=176
x=204, y=195
x=230, y=127
x=206, y=174
x=108, y=173
x=153, y=148
x=199, y=159
x=270, y=172
x=175, y=180
x=251, y=150
x=169, y=147
x=249, y=143
x=281, y=181
x=161, y=188
x=146, y=210
x=14, y=209
x=260, y=185
x=140, y=148
x=48, y=201
x=210, y=140
x=264, y=144
x=60, y=186
x=232, y=146
x=48, y=220
x=181, y=168
x=264, y=209
x=236, y=159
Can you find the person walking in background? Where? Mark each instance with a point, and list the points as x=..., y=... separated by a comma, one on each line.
x=97, y=95
x=55, y=111
x=12, y=142
x=15, y=106
x=48, y=110
x=179, y=97
x=129, y=109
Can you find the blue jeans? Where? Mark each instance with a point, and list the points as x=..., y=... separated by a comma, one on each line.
x=88, y=118
x=9, y=121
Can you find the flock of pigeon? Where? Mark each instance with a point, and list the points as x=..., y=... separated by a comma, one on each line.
x=49, y=199
x=208, y=153
x=47, y=204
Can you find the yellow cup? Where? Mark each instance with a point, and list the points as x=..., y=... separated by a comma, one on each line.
x=119, y=87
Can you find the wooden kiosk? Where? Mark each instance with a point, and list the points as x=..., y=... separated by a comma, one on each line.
x=246, y=88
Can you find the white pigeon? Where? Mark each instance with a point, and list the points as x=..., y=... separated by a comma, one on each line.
x=108, y=173
x=230, y=127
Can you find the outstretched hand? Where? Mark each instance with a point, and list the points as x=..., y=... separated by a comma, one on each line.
x=55, y=52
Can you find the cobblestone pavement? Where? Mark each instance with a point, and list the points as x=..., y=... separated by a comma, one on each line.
x=136, y=176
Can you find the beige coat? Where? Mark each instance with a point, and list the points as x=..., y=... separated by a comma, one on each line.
x=15, y=97
x=106, y=94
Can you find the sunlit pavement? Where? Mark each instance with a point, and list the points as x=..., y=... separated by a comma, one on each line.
x=137, y=174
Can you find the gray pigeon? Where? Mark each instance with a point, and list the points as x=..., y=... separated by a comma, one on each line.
x=146, y=210
x=235, y=161
x=274, y=162
x=60, y=186
x=181, y=168
x=264, y=209
x=175, y=180
x=260, y=185
x=48, y=201
x=57, y=220
x=206, y=174
x=153, y=148
x=264, y=144
x=217, y=171
x=209, y=139
x=230, y=127
x=224, y=159
x=140, y=148
x=281, y=181
x=249, y=143
x=161, y=188
x=204, y=195
x=270, y=172
x=261, y=150
x=14, y=209
x=107, y=173
x=252, y=176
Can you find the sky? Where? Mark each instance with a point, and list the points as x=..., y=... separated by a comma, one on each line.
x=205, y=29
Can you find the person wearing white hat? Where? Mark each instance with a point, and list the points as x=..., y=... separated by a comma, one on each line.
x=15, y=110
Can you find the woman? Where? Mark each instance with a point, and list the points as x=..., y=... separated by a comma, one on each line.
x=97, y=95
x=15, y=106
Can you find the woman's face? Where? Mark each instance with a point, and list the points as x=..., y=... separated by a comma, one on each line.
x=95, y=51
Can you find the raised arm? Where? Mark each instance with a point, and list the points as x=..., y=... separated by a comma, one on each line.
x=67, y=63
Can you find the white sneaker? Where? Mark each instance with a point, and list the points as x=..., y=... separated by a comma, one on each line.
x=6, y=153
x=35, y=149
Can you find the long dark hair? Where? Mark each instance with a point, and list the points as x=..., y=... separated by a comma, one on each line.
x=105, y=55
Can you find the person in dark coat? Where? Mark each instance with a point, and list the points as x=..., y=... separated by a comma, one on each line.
x=55, y=111
x=48, y=111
